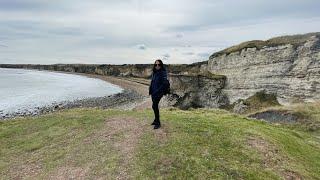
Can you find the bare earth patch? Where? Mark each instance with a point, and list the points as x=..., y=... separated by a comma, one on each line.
x=26, y=170
x=122, y=133
x=69, y=172
x=272, y=158
x=131, y=129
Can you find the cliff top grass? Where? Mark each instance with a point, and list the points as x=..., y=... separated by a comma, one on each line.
x=198, y=144
x=295, y=40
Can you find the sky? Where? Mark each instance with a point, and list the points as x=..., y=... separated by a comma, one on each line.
x=138, y=32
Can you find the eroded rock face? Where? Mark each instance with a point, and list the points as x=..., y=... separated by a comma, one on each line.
x=293, y=73
x=239, y=107
x=197, y=91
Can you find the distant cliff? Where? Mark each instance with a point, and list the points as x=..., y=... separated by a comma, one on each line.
x=288, y=66
x=125, y=70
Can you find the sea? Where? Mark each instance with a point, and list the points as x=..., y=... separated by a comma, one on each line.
x=22, y=89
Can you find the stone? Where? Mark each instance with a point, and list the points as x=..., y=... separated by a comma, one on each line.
x=292, y=72
x=240, y=107
x=197, y=90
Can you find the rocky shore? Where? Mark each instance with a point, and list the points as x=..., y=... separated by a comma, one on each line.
x=127, y=99
x=133, y=95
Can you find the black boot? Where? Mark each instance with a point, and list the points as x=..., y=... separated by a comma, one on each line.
x=154, y=122
x=157, y=126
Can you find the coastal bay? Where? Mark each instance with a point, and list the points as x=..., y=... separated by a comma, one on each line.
x=122, y=93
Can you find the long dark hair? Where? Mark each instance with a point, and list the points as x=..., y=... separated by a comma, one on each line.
x=161, y=65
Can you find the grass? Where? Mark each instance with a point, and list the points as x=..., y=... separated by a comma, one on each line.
x=295, y=40
x=194, y=144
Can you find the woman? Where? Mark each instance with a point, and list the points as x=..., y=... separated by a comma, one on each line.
x=156, y=89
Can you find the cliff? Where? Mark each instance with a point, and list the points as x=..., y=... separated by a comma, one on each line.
x=287, y=66
x=125, y=70
x=198, y=90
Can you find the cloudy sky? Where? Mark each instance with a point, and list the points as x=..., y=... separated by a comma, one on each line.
x=136, y=31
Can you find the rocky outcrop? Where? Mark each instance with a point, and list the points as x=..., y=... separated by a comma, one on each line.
x=259, y=100
x=197, y=90
x=276, y=116
x=286, y=66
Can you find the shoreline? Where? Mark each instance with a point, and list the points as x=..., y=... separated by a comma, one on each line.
x=133, y=96
x=123, y=82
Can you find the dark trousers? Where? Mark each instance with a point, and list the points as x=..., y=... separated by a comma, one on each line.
x=155, y=107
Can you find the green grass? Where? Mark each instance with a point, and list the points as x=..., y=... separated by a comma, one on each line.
x=295, y=40
x=194, y=144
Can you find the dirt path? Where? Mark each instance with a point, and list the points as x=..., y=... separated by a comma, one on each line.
x=131, y=129
x=122, y=135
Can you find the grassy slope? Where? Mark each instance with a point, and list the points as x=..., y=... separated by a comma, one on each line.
x=197, y=144
x=308, y=114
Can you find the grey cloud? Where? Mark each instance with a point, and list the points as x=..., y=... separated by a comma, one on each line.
x=189, y=53
x=33, y=29
x=44, y=6
x=141, y=46
x=166, y=56
x=179, y=35
x=2, y=44
x=229, y=12
x=203, y=55
x=19, y=5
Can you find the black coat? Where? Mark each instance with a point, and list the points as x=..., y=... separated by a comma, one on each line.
x=156, y=88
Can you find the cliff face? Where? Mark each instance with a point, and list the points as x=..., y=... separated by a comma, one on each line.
x=198, y=90
x=288, y=66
